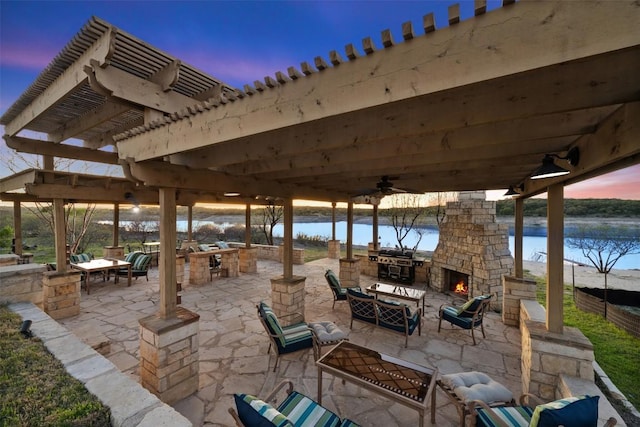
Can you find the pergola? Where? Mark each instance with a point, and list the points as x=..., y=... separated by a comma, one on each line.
x=475, y=105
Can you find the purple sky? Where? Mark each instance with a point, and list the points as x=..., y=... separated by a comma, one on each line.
x=236, y=41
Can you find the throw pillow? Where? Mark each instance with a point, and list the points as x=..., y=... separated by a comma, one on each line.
x=255, y=412
x=580, y=411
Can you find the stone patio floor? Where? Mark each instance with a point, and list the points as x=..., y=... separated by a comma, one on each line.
x=233, y=344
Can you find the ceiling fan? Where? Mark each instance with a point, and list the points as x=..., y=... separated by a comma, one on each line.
x=385, y=187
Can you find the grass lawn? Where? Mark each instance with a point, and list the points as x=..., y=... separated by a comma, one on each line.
x=616, y=351
x=36, y=389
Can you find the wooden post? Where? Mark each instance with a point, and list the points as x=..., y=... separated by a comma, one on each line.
x=555, y=257
x=519, y=233
x=17, y=227
x=167, y=262
x=375, y=228
x=247, y=225
x=287, y=258
x=333, y=220
x=189, y=222
x=60, y=235
x=116, y=224
x=350, y=230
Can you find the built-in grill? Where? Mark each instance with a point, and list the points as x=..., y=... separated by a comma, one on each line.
x=396, y=265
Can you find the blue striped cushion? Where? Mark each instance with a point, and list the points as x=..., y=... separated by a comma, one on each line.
x=272, y=322
x=348, y=423
x=141, y=262
x=302, y=411
x=255, y=412
x=516, y=416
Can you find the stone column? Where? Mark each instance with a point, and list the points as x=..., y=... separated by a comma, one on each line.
x=113, y=252
x=287, y=297
x=546, y=355
x=349, y=272
x=169, y=355
x=61, y=293
x=248, y=260
x=229, y=261
x=515, y=289
x=333, y=249
x=199, y=268
x=179, y=268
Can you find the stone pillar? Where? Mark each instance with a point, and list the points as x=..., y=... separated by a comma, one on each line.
x=199, y=268
x=169, y=355
x=61, y=293
x=515, y=289
x=248, y=260
x=546, y=355
x=229, y=260
x=287, y=297
x=349, y=272
x=113, y=252
x=180, y=268
x=334, y=249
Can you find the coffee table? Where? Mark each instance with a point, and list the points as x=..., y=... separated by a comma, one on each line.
x=96, y=265
x=407, y=383
x=400, y=292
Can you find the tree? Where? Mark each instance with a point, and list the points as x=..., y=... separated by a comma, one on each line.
x=603, y=245
x=271, y=215
x=407, y=214
x=440, y=200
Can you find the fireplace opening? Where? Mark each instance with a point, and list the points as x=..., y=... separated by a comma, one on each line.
x=456, y=282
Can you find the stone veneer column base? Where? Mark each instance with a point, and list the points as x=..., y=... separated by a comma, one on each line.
x=515, y=289
x=248, y=260
x=116, y=252
x=333, y=247
x=287, y=297
x=169, y=355
x=546, y=355
x=349, y=272
x=180, y=261
x=61, y=294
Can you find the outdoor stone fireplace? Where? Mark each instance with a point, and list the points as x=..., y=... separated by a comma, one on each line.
x=473, y=249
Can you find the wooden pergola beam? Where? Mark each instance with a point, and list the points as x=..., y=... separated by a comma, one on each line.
x=46, y=148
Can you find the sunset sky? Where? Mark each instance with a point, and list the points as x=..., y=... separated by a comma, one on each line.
x=236, y=41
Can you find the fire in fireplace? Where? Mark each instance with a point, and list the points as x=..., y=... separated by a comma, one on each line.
x=457, y=282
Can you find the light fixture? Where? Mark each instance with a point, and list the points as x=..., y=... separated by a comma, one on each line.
x=25, y=329
x=549, y=169
x=131, y=198
x=231, y=194
x=514, y=191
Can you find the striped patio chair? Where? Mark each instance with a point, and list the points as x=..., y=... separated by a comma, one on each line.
x=284, y=339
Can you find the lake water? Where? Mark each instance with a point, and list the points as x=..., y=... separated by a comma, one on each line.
x=533, y=243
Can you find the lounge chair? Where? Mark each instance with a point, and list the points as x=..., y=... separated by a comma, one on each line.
x=284, y=339
x=295, y=410
x=467, y=316
x=339, y=293
x=579, y=411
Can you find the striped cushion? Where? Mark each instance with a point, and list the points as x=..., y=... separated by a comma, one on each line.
x=141, y=262
x=272, y=322
x=296, y=333
x=516, y=416
x=348, y=423
x=302, y=411
x=254, y=412
x=580, y=411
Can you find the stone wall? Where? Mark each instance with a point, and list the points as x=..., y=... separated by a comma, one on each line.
x=9, y=259
x=22, y=283
x=473, y=243
x=515, y=289
x=273, y=253
x=547, y=355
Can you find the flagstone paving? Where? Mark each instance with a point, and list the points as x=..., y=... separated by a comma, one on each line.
x=233, y=344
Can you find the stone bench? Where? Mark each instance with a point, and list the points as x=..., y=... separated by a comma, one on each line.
x=130, y=404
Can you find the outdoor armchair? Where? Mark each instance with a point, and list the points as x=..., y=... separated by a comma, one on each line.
x=339, y=293
x=579, y=411
x=284, y=339
x=140, y=267
x=467, y=316
x=296, y=410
